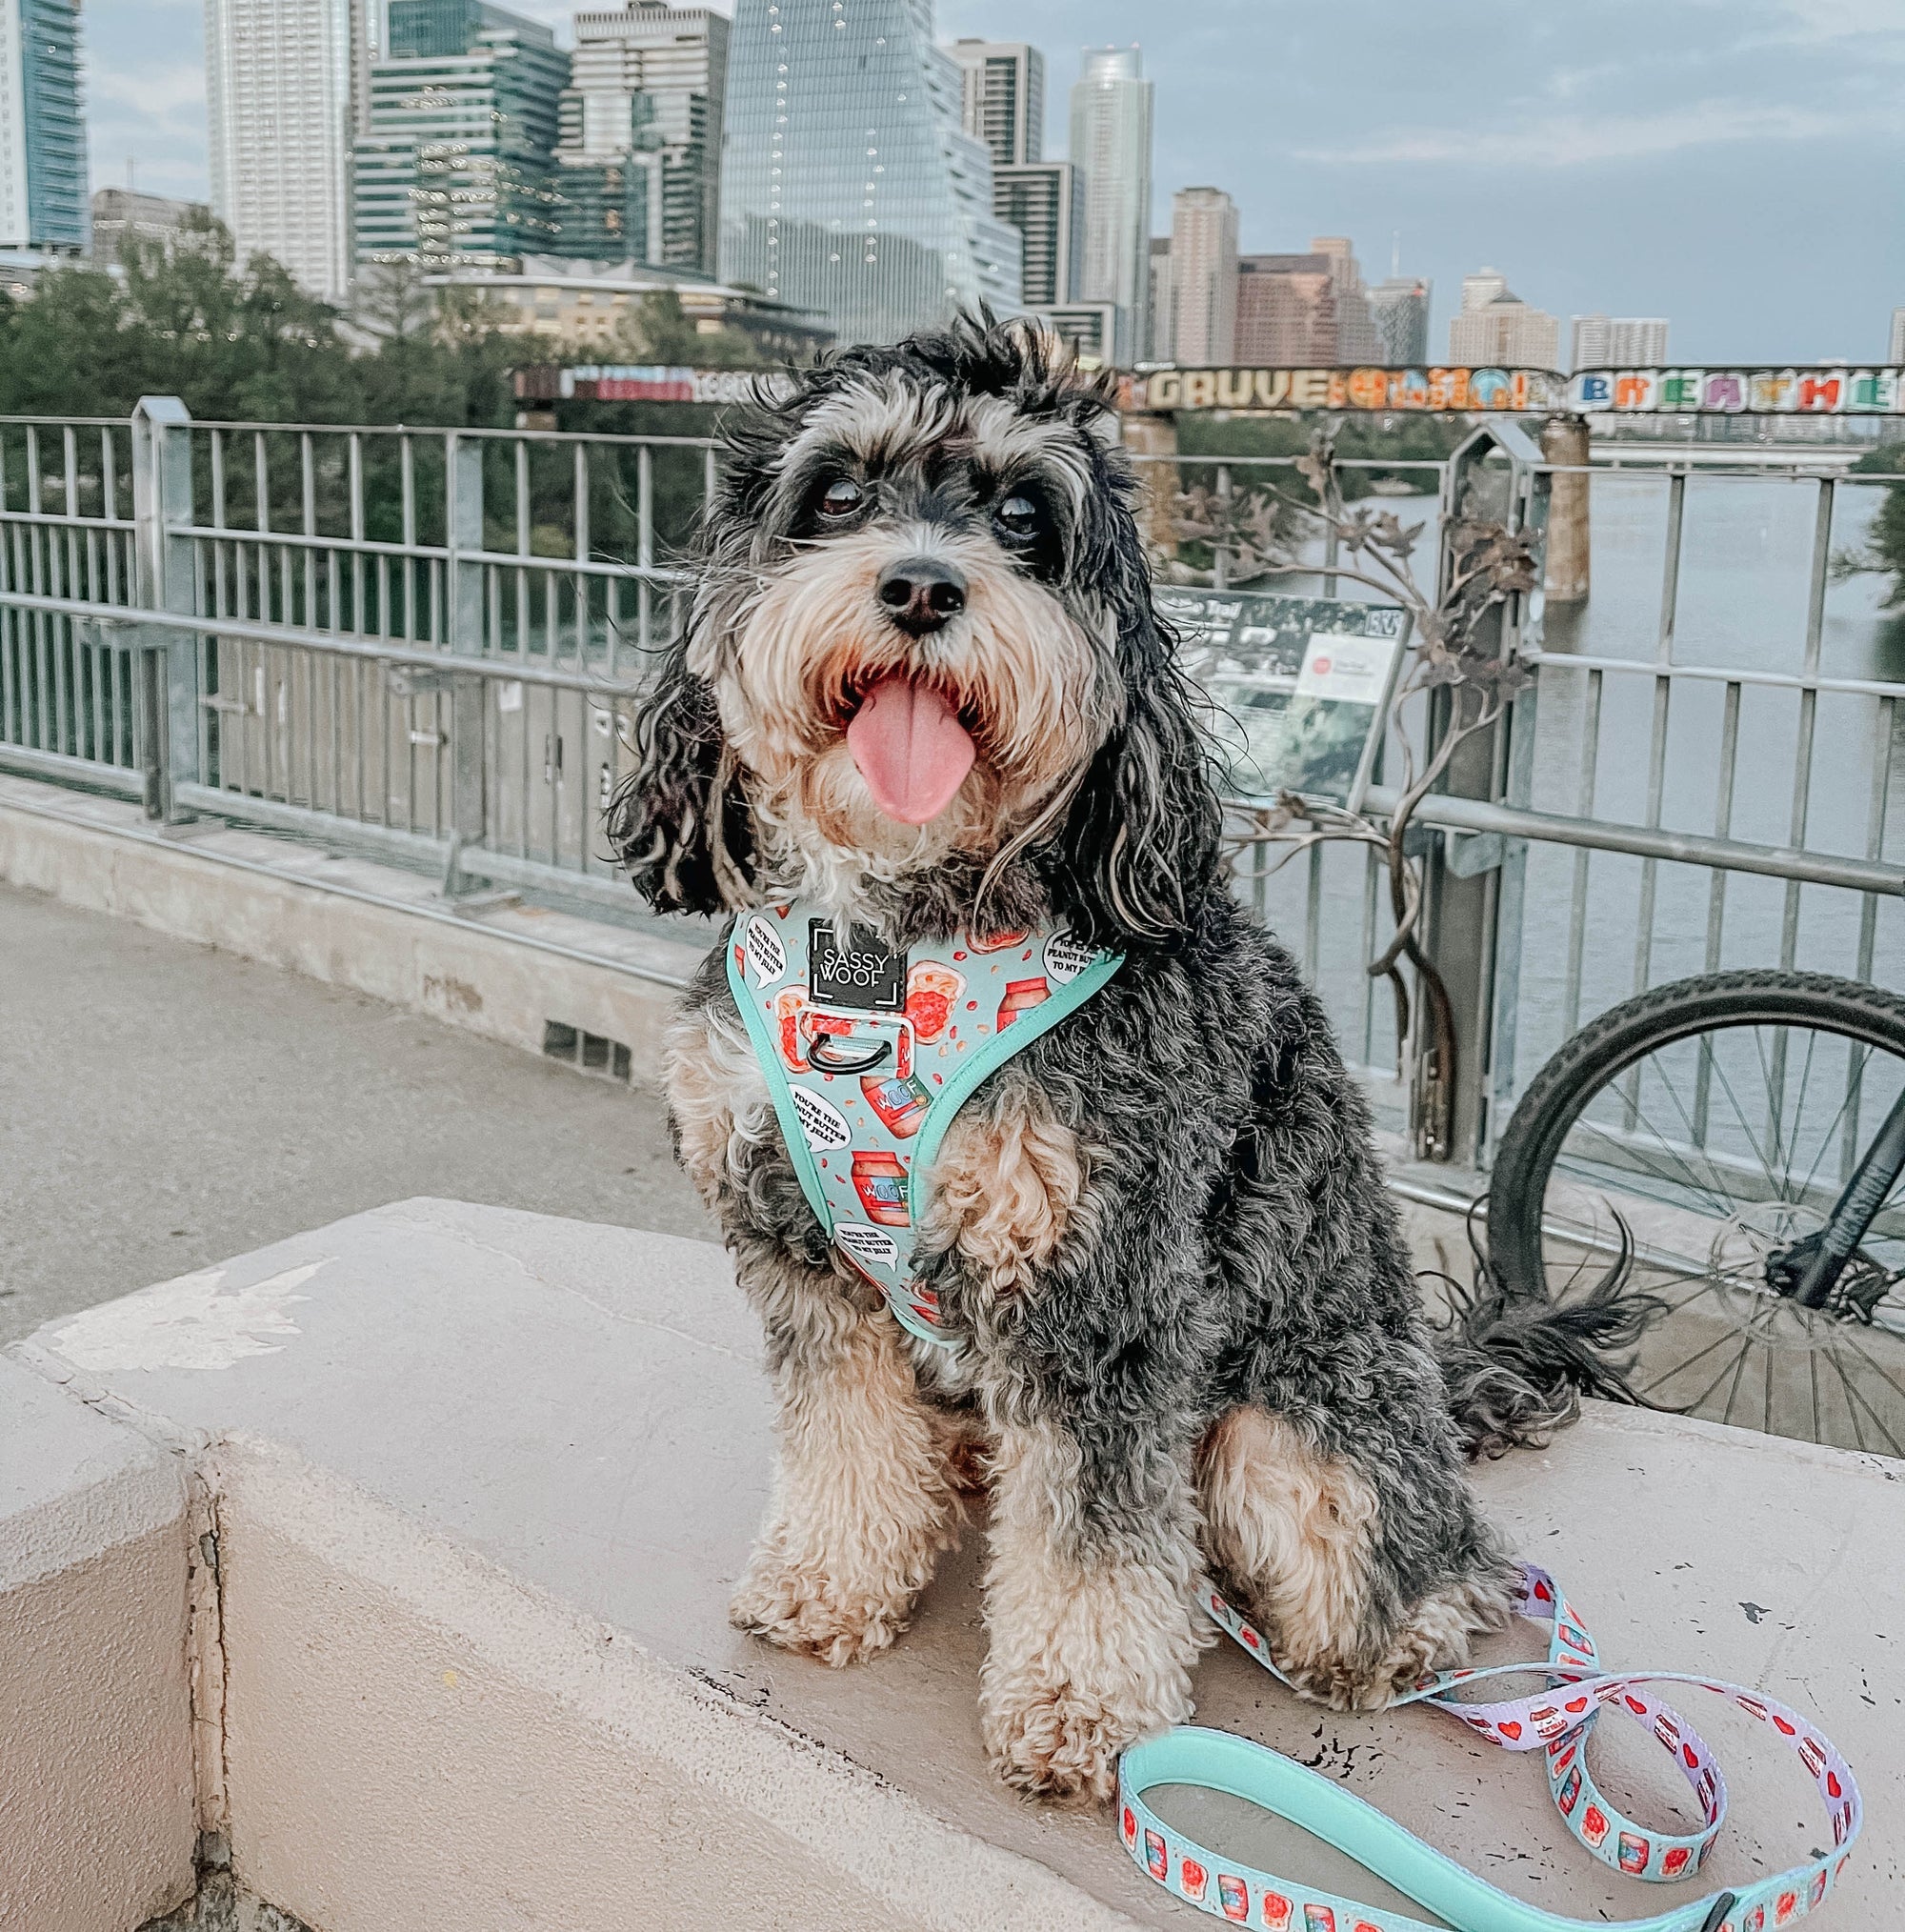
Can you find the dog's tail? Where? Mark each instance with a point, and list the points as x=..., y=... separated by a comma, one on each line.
x=1518, y=1363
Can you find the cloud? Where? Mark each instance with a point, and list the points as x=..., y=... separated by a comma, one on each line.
x=1576, y=140
x=158, y=93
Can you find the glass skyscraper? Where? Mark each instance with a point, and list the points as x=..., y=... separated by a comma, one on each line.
x=1111, y=147
x=44, y=197
x=848, y=185
x=455, y=165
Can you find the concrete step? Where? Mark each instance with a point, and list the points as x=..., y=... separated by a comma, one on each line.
x=479, y=1483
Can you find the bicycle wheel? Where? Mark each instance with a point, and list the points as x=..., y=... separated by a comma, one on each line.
x=1714, y=1121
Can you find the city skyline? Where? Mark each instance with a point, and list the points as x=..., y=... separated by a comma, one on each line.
x=1713, y=207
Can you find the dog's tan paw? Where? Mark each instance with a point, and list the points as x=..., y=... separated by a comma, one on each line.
x=1062, y=1742
x=800, y=1607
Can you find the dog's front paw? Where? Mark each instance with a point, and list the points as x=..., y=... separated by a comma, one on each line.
x=797, y=1604
x=1063, y=1740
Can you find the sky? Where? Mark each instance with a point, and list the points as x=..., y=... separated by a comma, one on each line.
x=1737, y=166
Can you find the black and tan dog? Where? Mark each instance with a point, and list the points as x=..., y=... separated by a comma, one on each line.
x=1189, y=1334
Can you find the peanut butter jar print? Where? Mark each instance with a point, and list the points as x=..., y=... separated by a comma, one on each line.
x=901, y=1103
x=1021, y=994
x=880, y=1182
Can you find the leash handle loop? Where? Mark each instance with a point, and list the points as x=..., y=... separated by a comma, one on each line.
x=1558, y=1719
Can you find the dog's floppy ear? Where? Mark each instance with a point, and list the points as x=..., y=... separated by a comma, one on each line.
x=1139, y=851
x=679, y=822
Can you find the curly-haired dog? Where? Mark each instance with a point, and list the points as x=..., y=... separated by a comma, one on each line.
x=1189, y=1333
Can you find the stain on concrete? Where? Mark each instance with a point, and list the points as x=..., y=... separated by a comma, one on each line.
x=447, y=994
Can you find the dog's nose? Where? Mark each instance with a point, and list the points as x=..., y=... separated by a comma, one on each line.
x=920, y=592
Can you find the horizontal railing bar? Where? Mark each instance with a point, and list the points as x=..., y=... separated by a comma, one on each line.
x=425, y=553
x=61, y=516
x=69, y=422
x=431, y=429
x=1641, y=842
x=118, y=779
x=290, y=638
x=1710, y=673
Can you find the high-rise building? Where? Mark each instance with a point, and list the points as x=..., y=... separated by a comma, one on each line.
x=1040, y=199
x=1158, y=336
x=1482, y=288
x=1002, y=101
x=1111, y=147
x=848, y=185
x=1285, y=311
x=281, y=104
x=1895, y=353
x=1619, y=341
x=1399, y=309
x=1203, y=276
x=43, y=171
x=120, y=215
x=1502, y=328
x=1356, y=338
x=640, y=149
x=454, y=167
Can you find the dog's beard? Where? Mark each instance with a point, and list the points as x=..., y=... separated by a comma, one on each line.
x=791, y=666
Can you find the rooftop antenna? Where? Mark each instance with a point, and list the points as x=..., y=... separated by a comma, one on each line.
x=1395, y=254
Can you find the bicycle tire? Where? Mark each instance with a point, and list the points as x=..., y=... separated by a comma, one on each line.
x=1584, y=1066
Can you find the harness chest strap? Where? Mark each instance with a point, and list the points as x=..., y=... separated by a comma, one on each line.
x=869, y=1055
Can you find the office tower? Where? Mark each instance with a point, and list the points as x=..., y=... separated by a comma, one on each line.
x=120, y=215
x=1002, y=101
x=1002, y=104
x=454, y=167
x=848, y=185
x=280, y=110
x=1399, y=309
x=640, y=149
x=1158, y=336
x=1619, y=341
x=1894, y=353
x=1040, y=199
x=1482, y=288
x=1356, y=339
x=1285, y=311
x=1203, y=276
x=43, y=171
x=1502, y=329
x=1111, y=147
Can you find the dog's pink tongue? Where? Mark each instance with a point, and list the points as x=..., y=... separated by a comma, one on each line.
x=910, y=747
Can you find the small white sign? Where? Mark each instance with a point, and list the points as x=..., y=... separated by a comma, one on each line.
x=822, y=1122
x=509, y=694
x=1351, y=668
x=767, y=956
x=874, y=1246
x=1066, y=956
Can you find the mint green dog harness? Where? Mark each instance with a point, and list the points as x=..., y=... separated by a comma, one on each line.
x=868, y=1054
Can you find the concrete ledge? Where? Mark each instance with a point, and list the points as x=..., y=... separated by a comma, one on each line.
x=501, y=971
x=482, y=1482
x=96, y=1737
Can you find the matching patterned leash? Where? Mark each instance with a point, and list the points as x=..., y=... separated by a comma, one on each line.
x=1559, y=1721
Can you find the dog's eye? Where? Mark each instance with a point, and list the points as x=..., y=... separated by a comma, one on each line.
x=1018, y=515
x=841, y=497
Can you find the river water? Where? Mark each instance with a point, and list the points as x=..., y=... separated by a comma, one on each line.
x=1742, y=599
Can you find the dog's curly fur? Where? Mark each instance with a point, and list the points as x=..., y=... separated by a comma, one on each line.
x=1190, y=1333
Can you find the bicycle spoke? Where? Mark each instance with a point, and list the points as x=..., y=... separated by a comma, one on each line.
x=1851, y=1399
x=1813, y=1375
x=1767, y=1424
x=1805, y=1081
x=1738, y=1375
x=1751, y=1139
x=1681, y=1368
x=1877, y=1368
x=1832, y=1129
x=1698, y=1401
x=1722, y=1204
x=1854, y=1394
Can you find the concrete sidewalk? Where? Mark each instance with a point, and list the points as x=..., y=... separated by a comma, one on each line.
x=163, y=1105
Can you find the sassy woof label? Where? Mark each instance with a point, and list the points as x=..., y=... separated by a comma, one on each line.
x=822, y=1122
x=767, y=956
x=874, y=1246
x=1066, y=956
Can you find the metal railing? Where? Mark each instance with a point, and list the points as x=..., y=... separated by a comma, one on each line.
x=421, y=644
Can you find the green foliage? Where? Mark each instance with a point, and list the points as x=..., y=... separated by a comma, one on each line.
x=1886, y=540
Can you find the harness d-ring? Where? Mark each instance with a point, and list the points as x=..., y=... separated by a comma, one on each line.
x=829, y=1064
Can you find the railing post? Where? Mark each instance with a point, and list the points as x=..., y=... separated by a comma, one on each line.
x=469, y=804
x=161, y=512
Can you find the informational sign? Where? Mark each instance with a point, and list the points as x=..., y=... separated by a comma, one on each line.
x=1300, y=686
x=1432, y=392
x=1830, y=391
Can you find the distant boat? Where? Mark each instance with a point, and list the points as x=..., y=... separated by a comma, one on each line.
x=1394, y=486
